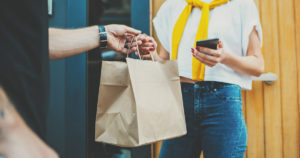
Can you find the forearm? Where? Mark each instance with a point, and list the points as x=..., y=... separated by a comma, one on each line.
x=250, y=65
x=157, y=57
x=65, y=43
x=163, y=55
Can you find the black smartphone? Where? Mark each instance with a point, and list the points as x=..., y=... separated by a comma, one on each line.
x=209, y=43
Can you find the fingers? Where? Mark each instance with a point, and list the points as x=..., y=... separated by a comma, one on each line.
x=145, y=44
x=148, y=41
x=134, y=44
x=147, y=49
x=133, y=31
x=208, y=63
x=142, y=37
x=143, y=50
x=121, y=30
x=220, y=45
x=143, y=47
x=133, y=41
x=209, y=51
x=124, y=51
x=205, y=59
x=145, y=38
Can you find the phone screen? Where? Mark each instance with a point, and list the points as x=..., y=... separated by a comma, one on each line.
x=209, y=43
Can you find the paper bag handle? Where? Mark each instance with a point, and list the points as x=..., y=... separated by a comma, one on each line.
x=138, y=51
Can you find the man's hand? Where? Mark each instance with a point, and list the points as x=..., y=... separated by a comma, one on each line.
x=116, y=37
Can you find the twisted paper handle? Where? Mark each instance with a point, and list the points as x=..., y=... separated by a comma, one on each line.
x=137, y=48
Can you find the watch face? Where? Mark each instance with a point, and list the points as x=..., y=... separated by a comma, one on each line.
x=103, y=35
x=102, y=29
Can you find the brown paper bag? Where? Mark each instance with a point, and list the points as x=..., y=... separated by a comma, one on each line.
x=139, y=102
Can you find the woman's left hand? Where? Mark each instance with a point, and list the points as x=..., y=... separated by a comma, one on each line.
x=210, y=57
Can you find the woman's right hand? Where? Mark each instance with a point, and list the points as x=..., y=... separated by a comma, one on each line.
x=148, y=46
x=148, y=49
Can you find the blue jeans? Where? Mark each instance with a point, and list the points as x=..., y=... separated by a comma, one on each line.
x=215, y=123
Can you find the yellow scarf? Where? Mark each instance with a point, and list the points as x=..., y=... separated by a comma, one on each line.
x=198, y=67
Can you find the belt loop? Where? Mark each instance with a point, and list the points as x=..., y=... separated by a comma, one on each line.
x=196, y=85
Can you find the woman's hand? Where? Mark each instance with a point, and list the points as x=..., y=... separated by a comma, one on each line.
x=148, y=49
x=210, y=57
x=147, y=46
x=251, y=64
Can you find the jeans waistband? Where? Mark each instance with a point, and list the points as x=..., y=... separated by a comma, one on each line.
x=207, y=84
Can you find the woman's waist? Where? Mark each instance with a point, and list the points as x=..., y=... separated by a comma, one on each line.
x=210, y=88
x=187, y=80
x=215, y=84
x=221, y=76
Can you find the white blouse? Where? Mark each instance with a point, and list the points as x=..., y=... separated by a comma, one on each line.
x=232, y=23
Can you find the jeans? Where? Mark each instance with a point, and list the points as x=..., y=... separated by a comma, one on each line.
x=215, y=123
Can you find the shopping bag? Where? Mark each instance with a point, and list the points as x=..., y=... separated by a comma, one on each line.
x=140, y=102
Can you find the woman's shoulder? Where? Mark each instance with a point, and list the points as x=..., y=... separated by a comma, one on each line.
x=243, y=3
x=174, y=3
x=171, y=7
x=244, y=6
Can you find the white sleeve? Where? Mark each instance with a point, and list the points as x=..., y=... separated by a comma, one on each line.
x=250, y=20
x=163, y=26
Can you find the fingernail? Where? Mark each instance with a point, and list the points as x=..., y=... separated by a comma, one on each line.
x=192, y=49
x=148, y=52
x=151, y=49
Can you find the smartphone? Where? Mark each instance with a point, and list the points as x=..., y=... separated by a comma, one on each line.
x=209, y=43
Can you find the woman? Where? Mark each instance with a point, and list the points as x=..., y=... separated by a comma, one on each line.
x=211, y=84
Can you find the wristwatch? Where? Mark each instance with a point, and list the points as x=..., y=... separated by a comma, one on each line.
x=103, y=37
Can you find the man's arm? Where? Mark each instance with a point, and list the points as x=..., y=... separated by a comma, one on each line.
x=16, y=138
x=65, y=43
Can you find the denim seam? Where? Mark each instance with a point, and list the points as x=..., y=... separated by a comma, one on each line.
x=236, y=148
